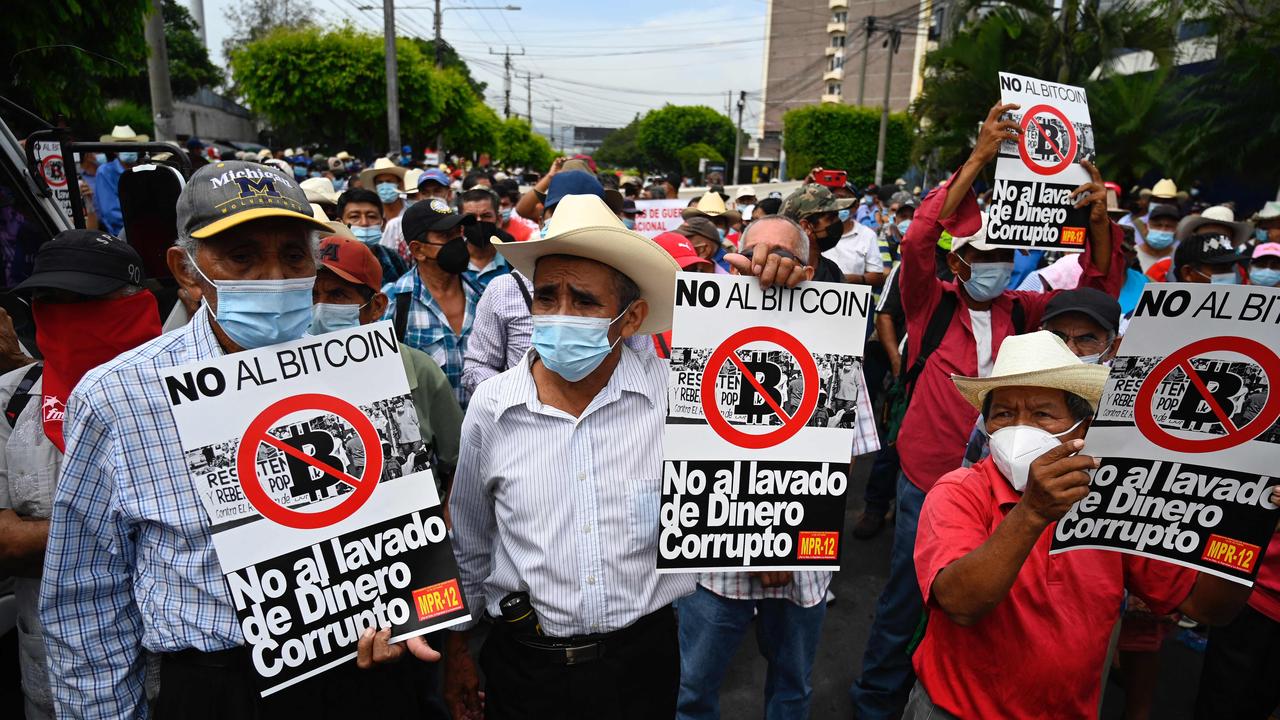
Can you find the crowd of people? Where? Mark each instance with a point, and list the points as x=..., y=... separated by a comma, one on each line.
x=535, y=323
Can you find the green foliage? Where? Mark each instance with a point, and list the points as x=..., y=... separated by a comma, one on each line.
x=663, y=133
x=127, y=112
x=449, y=60
x=330, y=87
x=689, y=157
x=519, y=146
x=845, y=137
x=189, y=64
x=477, y=134
x=621, y=148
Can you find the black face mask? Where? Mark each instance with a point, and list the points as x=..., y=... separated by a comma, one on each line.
x=453, y=256
x=831, y=237
x=479, y=234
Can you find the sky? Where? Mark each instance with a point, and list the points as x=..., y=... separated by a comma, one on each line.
x=601, y=62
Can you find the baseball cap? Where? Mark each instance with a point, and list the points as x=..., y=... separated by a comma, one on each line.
x=679, y=247
x=1104, y=309
x=1159, y=210
x=1267, y=249
x=433, y=215
x=699, y=227
x=222, y=195
x=978, y=240
x=1207, y=248
x=89, y=262
x=629, y=207
x=435, y=175
x=572, y=182
x=811, y=199
x=351, y=260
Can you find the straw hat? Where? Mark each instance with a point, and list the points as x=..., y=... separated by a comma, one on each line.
x=340, y=229
x=319, y=190
x=1038, y=359
x=1216, y=215
x=1269, y=211
x=1164, y=190
x=709, y=205
x=123, y=133
x=412, y=177
x=585, y=227
x=381, y=166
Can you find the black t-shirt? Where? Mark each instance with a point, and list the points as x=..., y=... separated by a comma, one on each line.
x=827, y=271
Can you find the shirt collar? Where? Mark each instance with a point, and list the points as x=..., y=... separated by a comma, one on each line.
x=497, y=263
x=202, y=344
x=1001, y=490
x=628, y=376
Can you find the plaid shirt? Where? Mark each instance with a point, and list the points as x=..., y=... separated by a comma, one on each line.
x=428, y=328
x=481, y=277
x=806, y=589
x=129, y=563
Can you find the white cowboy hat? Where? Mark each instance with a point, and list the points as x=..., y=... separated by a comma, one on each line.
x=745, y=191
x=411, y=178
x=709, y=205
x=585, y=227
x=381, y=166
x=1269, y=211
x=264, y=154
x=318, y=213
x=340, y=229
x=343, y=155
x=123, y=133
x=1216, y=215
x=1165, y=189
x=1038, y=359
x=319, y=190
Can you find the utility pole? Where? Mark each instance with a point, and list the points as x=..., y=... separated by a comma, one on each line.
x=862, y=76
x=158, y=73
x=528, y=95
x=197, y=13
x=438, y=48
x=506, y=78
x=737, y=134
x=553, y=107
x=393, y=93
x=894, y=40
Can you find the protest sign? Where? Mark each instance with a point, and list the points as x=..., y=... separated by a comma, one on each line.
x=761, y=402
x=53, y=169
x=659, y=216
x=308, y=461
x=1187, y=434
x=1030, y=204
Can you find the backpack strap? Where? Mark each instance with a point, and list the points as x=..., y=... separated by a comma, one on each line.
x=939, y=322
x=661, y=339
x=402, y=314
x=524, y=291
x=22, y=395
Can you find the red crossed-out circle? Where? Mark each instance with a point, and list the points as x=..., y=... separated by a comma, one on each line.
x=56, y=179
x=256, y=433
x=1065, y=155
x=1254, y=350
x=728, y=351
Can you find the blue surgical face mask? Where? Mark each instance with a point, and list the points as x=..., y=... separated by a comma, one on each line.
x=722, y=233
x=629, y=223
x=1227, y=278
x=388, y=192
x=299, y=172
x=1260, y=235
x=902, y=227
x=101, y=158
x=542, y=231
x=506, y=215
x=572, y=346
x=257, y=313
x=1266, y=277
x=987, y=280
x=409, y=202
x=367, y=233
x=843, y=215
x=339, y=185
x=1159, y=239
x=128, y=158
x=331, y=317
x=866, y=200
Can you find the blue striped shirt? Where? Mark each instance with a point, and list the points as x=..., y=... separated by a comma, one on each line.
x=562, y=507
x=129, y=563
x=428, y=327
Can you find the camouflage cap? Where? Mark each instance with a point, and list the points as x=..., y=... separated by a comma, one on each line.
x=811, y=199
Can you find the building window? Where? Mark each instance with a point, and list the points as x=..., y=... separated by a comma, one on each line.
x=835, y=62
x=837, y=41
x=839, y=16
x=833, y=88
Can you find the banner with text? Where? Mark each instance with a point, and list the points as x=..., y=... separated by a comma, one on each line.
x=659, y=216
x=761, y=408
x=1187, y=433
x=308, y=460
x=1036, y=172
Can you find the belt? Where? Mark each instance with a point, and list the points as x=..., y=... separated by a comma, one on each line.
x=580, y=649
x=235, y=657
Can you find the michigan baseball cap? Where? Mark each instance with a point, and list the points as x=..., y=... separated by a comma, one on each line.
x=89, y=262
x=351, y=260
x=433, y=215
x=679, y=247
x=222, y=195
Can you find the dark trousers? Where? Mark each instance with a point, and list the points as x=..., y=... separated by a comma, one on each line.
x=883, y=480
x=1241, y=675
x=214, y=686
x=636, y=679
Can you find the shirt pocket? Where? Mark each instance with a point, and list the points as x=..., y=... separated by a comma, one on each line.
x=644, y=501
x=31, y=481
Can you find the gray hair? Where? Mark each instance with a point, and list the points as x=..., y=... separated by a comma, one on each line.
x=800, y=246
x=189, y=245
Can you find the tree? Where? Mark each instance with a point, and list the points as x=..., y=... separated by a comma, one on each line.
x=330, y=87
x=519, y=146
x=845, y=137
x=664, y=132
x=450, y=59
x=189, y=66
x=690, y=158
x=621, y=148
x=478, y=133
x=254, y=19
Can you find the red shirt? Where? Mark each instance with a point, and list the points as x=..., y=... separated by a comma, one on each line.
x=517, y=230
x=1039, y=653
x=1265, y=597
x=938, y=420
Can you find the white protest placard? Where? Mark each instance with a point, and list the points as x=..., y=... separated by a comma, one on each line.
x=761, y=405
x=1030, y=204
x=659, y=216
x=326, y=520
x=53, y=169
x=1187, y=433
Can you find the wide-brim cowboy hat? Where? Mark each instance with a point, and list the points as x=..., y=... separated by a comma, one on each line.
x=584, y=227
x=123, y=133
x=1216, y=215
x=709, y=205
x=1038, y=359
x=381, y=166
x=319, y=190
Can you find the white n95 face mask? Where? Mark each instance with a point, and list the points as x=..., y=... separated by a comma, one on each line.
x=1014, y=448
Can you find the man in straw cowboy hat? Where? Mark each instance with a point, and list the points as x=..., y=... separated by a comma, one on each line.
x=1012, y=632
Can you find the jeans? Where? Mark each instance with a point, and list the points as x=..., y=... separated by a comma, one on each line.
x=711, y=627
x=887, y=675
x=920, y=707
x=884, y=473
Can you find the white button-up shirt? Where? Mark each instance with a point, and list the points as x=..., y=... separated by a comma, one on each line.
x=563, y=507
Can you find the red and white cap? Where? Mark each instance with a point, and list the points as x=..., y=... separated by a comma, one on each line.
x=679, y=247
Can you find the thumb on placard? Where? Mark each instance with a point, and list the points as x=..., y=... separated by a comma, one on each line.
x=421, y=650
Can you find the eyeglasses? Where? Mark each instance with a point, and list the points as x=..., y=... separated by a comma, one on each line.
x=1088, y=343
